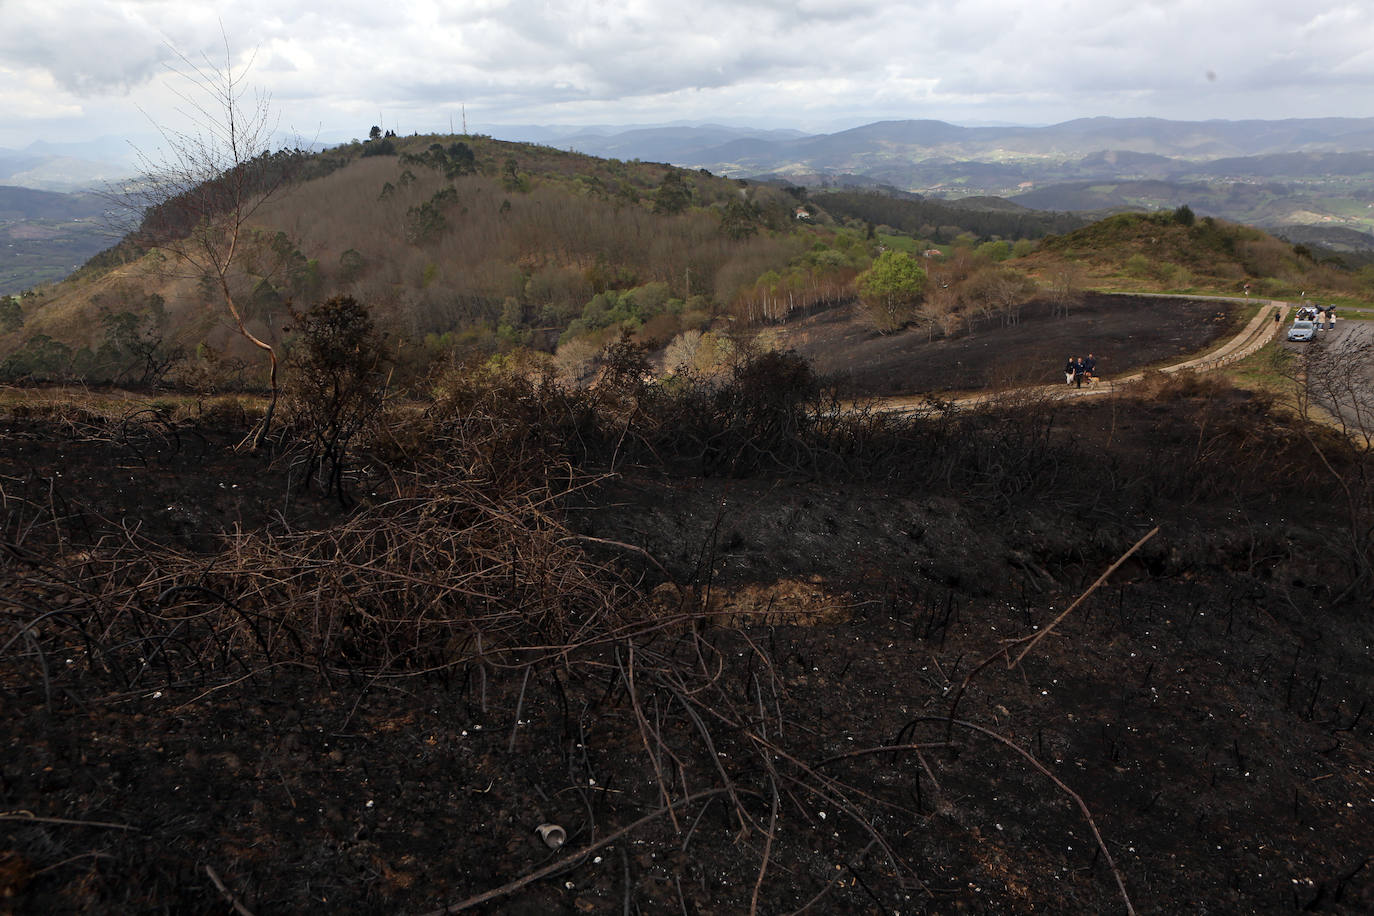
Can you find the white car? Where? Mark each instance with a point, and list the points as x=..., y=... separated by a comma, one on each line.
x=1302, y=329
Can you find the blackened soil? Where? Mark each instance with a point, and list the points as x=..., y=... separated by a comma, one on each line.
x=1204, y=713
x=1124, y=333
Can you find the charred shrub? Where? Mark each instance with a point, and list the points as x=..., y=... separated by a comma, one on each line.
x=1008, y=450
x=336, y=386
x=1186, y=383
x=763, y=415
x=755, y=420
x=624, y=374
x=510, y=426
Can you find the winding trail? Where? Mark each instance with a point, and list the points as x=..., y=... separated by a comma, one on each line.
x=1261, y=329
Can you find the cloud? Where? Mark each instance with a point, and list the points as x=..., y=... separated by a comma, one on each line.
x=100, y=50
x=770, y=62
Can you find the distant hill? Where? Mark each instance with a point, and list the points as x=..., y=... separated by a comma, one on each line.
x=67, y=166
x=915, y=141
x=1344, y=223
x=45, y=235
x=461, y=244
x=1315, y=171
x=18, y=204
x=673, y=144
x=1353, y=248
x=1175, y=251
x=941, y=220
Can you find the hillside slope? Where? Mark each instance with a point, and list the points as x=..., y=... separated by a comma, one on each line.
x=475, y=248
x=468, y=237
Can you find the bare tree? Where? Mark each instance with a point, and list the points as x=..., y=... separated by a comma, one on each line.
x=199, y=195
x=1065, y=285
x=998, y=290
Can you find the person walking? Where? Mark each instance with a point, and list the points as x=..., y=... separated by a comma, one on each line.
x=1069, y=370
x=1078, y=372
x=1090, y=367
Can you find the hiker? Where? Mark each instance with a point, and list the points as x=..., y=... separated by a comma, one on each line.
x=1069, y=371
x=1090, y=367
x=1078, y=372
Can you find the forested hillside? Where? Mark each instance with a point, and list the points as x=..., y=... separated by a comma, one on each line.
x=463, y=248
x=470, y=243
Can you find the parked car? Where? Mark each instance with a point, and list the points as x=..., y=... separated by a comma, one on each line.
x=1302, y=329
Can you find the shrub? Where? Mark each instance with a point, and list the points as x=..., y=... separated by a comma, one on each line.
x=335, y=386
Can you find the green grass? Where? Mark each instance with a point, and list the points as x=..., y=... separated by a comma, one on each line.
x=903, y=243
x=1261, y=372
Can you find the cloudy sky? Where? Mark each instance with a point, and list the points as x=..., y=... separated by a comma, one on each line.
x=81, y=69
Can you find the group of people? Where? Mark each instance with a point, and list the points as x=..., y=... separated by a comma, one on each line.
x=1079, y=369
x=1315, y=313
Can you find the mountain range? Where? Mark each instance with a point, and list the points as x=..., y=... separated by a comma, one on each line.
x=1146, y=141
x=67, y=167
x=1099, y=147
x=1308, y=180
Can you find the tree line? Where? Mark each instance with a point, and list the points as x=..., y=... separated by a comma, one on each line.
x=942, y=221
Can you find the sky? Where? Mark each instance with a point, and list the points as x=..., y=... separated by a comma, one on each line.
x=77, y=70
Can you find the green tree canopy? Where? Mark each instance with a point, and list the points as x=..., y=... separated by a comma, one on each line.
x=673, y=196
x=891, y=289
